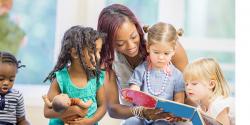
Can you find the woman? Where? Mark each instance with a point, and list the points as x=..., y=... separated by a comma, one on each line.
x=123, y=51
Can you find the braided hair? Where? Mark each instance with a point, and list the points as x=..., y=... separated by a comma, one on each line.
x=6, y=57
x=78, y=37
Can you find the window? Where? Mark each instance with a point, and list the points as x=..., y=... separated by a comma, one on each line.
x=37, y=19
x=209, y=26
x=146, y=10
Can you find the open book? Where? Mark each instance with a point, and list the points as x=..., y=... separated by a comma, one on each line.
x=183, y=111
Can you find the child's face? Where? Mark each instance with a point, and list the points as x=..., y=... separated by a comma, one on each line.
x=160, y=54
x=198, y=90
x=7, y=76
x=89, y=54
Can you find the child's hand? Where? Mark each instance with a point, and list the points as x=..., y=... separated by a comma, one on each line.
x=88, y=103
x=81, y=121
x=201, y=111
x=134, y=87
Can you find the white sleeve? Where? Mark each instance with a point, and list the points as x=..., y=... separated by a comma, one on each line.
x=218, y=106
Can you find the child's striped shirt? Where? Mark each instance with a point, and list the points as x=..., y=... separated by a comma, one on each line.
x=14, y=107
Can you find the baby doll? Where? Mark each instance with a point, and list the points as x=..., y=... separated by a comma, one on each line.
x=62, y=101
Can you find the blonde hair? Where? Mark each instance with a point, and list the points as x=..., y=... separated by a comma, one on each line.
x=207, y=69
x=162, y=32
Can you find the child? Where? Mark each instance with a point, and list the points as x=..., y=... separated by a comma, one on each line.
x=77, y=73
x=157, y=76
x=206, y=85
x=11, y=102
x=61, y=102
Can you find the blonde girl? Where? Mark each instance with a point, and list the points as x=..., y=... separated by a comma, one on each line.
x=206, y=85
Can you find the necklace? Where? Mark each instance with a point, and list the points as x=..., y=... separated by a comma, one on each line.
x=164, y=84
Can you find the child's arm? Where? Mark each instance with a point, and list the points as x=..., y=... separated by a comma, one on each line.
x=79, y=102
x=136, y=79
x=53, y=91
x=22, y=121
x=223, y=117
x=100, y=112
x=179, y=97
x=20, y=111
x=46, y=101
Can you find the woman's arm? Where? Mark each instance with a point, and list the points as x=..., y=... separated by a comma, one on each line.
x=115, y=109
x=179, y=97
x=180, y=59
x=223, y=117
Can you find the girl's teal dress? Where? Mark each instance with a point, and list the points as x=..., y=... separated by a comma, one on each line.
x=86, y=93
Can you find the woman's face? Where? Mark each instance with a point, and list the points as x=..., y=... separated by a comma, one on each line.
x=127, y=39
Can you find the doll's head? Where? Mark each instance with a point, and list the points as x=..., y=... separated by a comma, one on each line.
x=61, y=102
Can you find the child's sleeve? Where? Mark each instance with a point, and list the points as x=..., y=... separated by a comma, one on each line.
x=101, y=80
x=20, y=111
x=179, y=81
x=137, y=76
x=219, y=105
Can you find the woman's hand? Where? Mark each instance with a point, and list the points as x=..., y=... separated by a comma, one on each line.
x=151, y=113
x=81, y=121
x=171, y=118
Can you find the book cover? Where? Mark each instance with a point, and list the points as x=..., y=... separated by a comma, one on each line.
x=183, y=111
